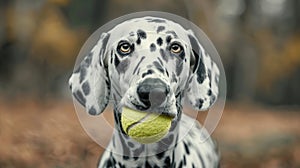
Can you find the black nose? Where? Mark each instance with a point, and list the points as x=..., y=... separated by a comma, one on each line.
x=152, y=92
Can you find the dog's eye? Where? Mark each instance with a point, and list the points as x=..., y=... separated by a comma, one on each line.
x=176, y=48
x=124, y=48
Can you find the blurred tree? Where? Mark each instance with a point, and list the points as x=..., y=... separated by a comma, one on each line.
x=257, y=48
x=257, y=40
x=90, y=14
x=5, y=46
x=40, y=45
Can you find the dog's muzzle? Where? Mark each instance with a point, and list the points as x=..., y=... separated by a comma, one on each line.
x=153, y=92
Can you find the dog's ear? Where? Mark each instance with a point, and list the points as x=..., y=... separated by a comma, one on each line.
x=202, y=87
x=89, y=83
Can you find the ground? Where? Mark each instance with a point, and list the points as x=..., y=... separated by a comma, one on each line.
x=47, y=134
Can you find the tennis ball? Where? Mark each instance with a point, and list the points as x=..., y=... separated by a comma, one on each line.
x=145, y=127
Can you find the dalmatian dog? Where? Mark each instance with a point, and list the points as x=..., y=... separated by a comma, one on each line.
x=150, y=64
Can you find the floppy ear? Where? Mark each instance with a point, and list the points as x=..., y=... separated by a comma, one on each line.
x=89, y=83
x=202, y=89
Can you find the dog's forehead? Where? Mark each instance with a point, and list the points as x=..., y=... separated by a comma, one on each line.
x=149, y=25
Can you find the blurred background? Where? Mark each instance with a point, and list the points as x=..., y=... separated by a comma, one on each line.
x=258, y=41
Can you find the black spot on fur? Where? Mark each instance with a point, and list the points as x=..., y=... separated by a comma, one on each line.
x=121, y=166
x=147, y=165
x=212, y=99
x=111, y=58
x=182, y=55
x=117, y=118
x=167, y=162
x=174, y=78
x=173, y=159
x=194, y=43
x=184, y=160
x=160, y=28
x=167, y=73
x=113, y=160
x=209, y=92
x=138, y=72
x=160, y=61
x=123, y=66
x=173, y=33
x=134, y=71
x=160, y=155
x=158, y=66
x=100, y=56
x=209, y=76
x=142, y=34
x=199, y=103
x=132, y=48
x=147, y=73
x=163, y=55
x=186, y=148
x=138, y=41
x=117, y=61
x=179, y=67
x=88, y=59
x=195, y=49
x=152, y=47
x=92, y=111
x=168, y=39
x=159, y=41
x=82, y=74
x=86, y=88
x=180, y=164
x=109, y=163
x=125, y=157
x=200, y=71
x=81, y=99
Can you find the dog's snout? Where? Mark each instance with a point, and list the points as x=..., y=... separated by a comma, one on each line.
x=152, y=92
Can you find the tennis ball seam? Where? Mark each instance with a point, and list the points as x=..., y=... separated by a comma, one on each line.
x=136, y=123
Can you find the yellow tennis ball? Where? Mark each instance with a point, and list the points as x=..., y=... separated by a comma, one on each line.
x=145, y=127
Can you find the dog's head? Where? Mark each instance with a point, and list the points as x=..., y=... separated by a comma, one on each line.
x=146, y=64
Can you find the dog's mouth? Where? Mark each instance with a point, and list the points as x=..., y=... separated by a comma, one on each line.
x=145, y=127
x=164, y=110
